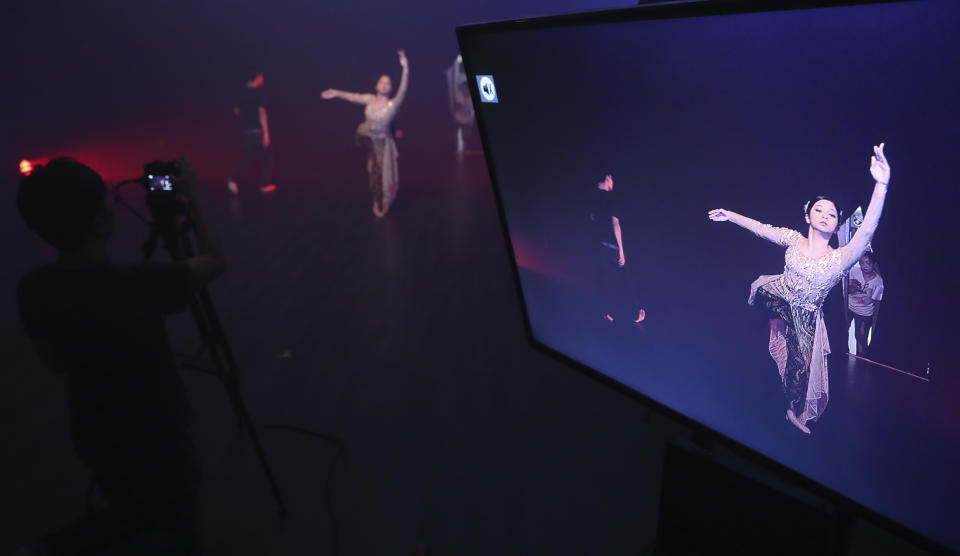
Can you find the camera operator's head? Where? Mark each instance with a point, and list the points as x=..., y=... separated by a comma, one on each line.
x=66, y=204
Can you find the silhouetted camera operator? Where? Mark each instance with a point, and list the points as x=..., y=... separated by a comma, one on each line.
x=102, y=326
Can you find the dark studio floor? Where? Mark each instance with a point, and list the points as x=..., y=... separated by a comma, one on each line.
x=404, y=338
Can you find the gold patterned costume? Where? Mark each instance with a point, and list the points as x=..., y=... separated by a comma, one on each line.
x=376, y=132
x=801, y=346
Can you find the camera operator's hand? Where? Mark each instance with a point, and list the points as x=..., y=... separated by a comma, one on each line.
x=208, y=263
x=186, y=180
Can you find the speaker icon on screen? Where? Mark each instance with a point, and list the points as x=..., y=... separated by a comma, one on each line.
x=488, y=91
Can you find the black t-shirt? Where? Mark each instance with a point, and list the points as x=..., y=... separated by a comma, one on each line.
x=603, y=207
x=104, y=325
x=249, y=101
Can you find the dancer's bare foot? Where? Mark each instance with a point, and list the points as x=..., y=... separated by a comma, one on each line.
x=232, y=186
x=377, y=211
x=641, y=316
x=796, y=422
x=608, y=317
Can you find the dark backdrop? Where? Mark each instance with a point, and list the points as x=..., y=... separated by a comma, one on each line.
x=118, y=83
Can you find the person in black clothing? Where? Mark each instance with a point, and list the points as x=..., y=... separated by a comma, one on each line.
x=251, y=115
x=616, y=293
x=101, y=326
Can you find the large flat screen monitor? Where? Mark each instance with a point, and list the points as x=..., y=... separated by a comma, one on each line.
x=747, y=213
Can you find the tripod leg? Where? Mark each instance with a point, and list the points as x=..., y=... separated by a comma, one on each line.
x=210, y=330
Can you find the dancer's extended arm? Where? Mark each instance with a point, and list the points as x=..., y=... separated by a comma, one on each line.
x=780, y=236
x=358, y=98
x=880, y=170
x=404, y=78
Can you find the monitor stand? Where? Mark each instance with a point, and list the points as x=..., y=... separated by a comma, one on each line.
x=711, y=504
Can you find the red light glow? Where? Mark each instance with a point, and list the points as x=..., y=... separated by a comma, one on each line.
x=26, y=168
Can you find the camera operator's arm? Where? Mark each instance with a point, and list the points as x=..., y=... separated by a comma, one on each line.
x=262, y=112
x=209, y=262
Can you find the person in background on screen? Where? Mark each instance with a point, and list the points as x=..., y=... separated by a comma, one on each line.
x=617, y=295
x=251, y=114
x=865, y=290
x=375, y=132
x=794, y=299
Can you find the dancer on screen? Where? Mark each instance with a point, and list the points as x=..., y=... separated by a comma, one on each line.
x=794, y=299
x=375, y=132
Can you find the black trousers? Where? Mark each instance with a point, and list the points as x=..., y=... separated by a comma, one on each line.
x=615, y=289
x=253, y=148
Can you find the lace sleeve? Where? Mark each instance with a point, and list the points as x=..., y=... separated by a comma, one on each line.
x=861, y=238
x=357, y=98
x=402, y=90
x=784, y=237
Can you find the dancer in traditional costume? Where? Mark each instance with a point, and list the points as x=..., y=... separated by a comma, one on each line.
x=376, y=133
x=794, y=299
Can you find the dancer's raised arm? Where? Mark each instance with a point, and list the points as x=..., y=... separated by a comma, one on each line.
x=880, y=170
x=780, y=236
x=358, y=98
x=402, y=90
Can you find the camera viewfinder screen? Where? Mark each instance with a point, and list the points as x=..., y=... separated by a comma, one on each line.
x=749, y=217
x=160, y=183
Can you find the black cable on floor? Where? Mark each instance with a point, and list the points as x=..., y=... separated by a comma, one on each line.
x=327, y=502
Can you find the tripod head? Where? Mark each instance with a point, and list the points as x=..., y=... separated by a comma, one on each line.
x=170, y=221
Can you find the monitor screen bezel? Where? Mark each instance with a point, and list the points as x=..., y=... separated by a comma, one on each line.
x=845, y=505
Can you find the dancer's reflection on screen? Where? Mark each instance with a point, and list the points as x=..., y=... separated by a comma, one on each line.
x=865, y=290
x=794, y=299
x=616, y=294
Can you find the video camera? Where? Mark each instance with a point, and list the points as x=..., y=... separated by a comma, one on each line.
x=160, y=182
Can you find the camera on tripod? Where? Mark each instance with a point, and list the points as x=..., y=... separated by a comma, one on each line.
x=174, y=226
x=160, y=181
